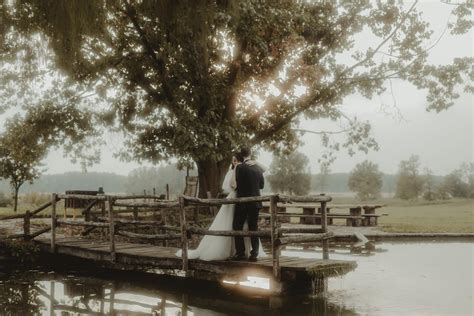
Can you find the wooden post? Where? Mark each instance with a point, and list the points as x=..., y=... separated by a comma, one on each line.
x=167, y=192
x=184, y=305
x=111, y=228
x=135, y=218
x=53, y=222
x=112, y=301
x=51, y=298
x=184, y=237
x=102, y=211
x=325, y=249
x=274, y=237
x=163, y=213
x=26, y=224
x=324, y=217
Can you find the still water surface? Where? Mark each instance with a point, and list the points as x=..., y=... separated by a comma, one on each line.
x=396, y=278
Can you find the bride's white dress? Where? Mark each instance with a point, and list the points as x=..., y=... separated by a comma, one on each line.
x=220, y=247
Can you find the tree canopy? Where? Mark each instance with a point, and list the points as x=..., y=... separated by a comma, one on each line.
x=194, y=79
x=290, y=174
x=409, y=182
x=366, y=180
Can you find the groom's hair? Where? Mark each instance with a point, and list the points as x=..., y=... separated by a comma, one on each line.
x=238, y=156
x=245, y=152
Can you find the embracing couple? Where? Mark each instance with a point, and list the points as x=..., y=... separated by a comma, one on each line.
x=244, y=179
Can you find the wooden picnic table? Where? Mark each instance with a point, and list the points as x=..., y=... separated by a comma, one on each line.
x=355, y=217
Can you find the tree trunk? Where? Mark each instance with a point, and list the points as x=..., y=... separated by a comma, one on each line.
x=211, y=176
x=15, y=199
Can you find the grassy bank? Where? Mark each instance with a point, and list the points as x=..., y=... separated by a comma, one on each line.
x=447, y=216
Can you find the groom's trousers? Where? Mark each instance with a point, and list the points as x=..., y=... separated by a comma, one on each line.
x=243, y=212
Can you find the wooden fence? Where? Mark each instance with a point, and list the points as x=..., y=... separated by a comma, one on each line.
x=106, y=219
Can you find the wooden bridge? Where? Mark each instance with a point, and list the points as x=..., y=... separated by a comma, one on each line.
x=287, y=274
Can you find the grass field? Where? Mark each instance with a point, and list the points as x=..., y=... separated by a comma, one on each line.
x=450, y=216
x=446, y=216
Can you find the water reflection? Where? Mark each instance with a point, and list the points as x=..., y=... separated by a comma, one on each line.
x=391, y=279
x=327, y=249
x=37, y=292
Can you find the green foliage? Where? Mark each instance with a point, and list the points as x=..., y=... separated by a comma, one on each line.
x=20, y=156
x=35, y=198
x=366, y=180
x=4, y=200
x=460, y=182
x=183, y=79
x=289, y=174
x=429, y=193
x=409, y=182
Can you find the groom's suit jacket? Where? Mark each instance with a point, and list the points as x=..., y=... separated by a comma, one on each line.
x=249, y=181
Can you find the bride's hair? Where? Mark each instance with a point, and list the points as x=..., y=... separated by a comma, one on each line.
x=237, y=156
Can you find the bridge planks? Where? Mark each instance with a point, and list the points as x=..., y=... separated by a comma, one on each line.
x=145, y=256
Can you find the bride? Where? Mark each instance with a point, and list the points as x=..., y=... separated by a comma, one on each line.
x=222, y=247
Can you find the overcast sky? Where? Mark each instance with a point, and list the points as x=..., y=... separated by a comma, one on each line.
x=442, y=140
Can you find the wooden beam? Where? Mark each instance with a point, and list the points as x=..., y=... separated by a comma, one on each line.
x=231, y=233
x=324, y=217
x=154, y=205
x=39, y=232
x=305, y=199
x=83, y=197
x=54, y=199
x=184, y=237
x=26, y=224
x=300, y=239
x=81, y=223
x=111, y=229
x=210, y=202
x=274, y=237
x=148, y=237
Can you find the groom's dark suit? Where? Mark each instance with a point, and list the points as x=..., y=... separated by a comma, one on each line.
x=249, y=182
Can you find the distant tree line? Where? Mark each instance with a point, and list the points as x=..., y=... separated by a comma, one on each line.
x=290, y=174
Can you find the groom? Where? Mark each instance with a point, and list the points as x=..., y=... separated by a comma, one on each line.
x=249, y=178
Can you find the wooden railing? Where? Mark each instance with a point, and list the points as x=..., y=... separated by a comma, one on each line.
x=277, y=235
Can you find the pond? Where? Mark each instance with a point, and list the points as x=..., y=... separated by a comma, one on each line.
x=392, y=278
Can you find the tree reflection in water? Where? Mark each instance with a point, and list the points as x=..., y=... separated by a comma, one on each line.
x=19, y=294
x=37, y=293
x=102, y=292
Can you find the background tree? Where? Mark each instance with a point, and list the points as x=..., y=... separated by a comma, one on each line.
x=290, y=174
x=20, y=158
x=186, y=79
x=366, y=180
x=409, y=181
x=28, y=138
x=460, y=182
x=429, y=187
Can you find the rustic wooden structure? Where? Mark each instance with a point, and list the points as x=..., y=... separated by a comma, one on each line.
x=286, y=274
x=75, y=203
x=312, y=213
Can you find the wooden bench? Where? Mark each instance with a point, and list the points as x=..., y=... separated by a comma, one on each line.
x=311, y=217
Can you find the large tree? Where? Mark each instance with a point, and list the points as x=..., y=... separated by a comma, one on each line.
x=194, y=79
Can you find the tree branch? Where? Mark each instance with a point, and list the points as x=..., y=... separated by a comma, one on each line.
x=158, y=62
x=371, y=55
